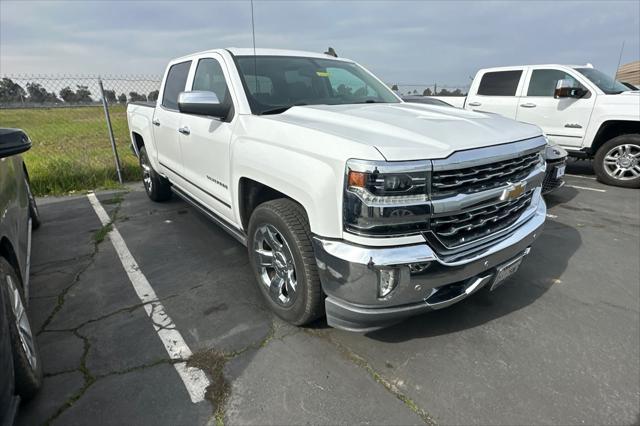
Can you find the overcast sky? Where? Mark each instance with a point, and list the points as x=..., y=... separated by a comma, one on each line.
x=402, y=42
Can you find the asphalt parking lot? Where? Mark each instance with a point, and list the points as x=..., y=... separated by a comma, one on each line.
x=558, y=344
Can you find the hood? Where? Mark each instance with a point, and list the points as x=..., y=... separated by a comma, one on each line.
x=406, y=131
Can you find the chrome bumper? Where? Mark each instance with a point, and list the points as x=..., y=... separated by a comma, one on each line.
x=350, y=275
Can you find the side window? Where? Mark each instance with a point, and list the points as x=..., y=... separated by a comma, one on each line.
x=543, y=82
x=209, y=77
x=499, y=83
x=176, y=82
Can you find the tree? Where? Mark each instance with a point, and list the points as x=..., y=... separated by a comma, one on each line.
x=10, y=91
x=136, y=97
x=426, y=92
x=444, y=92
x=153, y=96
x=394, y=87
x=110, y=96
x=122, y=98
x=456, y=92
x=68, y=95
x=39, y=94
x=83, y=95
x=415, y=92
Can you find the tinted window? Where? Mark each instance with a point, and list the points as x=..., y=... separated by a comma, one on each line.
x=543, y=82
x=209, y=77
x=607, y=84
x=176, y=81
x=500, y=83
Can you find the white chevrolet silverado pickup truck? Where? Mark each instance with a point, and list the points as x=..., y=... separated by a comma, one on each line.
x=583, y=110
x=351, y=202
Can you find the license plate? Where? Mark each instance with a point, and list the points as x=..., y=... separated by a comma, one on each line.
x=505, y=271
x=560, y=171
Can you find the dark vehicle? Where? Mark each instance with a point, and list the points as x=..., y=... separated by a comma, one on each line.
x=425, y=100
x=556, y=165
x=20, y=366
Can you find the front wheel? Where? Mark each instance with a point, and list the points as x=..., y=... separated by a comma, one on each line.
x=26, y=360
x=281, y=254
x=617, y=162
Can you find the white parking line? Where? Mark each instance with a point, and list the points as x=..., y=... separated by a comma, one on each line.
x=581, y=177
x=587, y=188
x=194, y=379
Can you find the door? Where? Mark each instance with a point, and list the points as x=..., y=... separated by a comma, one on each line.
x=166, y=121
x=496, y=92
x=205, y=142
x=563, y=120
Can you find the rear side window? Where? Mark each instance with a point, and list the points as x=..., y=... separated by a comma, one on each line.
x=543, y=82
x=499, y=83
x=176, y=82
x=209, y=77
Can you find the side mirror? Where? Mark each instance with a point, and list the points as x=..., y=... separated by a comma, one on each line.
x=13, y=142
x=566, y=89
x=202, y=102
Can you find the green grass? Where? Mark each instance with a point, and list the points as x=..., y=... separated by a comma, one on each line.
x=71, y=149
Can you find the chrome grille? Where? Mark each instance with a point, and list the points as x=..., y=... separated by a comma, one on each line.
x=481, y=178
x=478, y=222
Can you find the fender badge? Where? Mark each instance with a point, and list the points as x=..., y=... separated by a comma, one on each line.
x=513, y=191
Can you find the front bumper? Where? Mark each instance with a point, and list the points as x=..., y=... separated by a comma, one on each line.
x=350, y=275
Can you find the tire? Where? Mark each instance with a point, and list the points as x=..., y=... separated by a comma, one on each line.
x=157, y=187
x=617, y=162
x=288, y=277
x=34, y=213
x=26, y=360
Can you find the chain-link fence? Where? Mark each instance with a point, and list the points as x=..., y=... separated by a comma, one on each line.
x=65, y=118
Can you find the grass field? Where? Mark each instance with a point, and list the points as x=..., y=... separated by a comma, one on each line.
x=71, y=149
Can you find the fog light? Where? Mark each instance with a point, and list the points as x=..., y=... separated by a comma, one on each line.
x=388, y=281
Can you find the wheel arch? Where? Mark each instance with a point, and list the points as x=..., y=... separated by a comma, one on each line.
x=252, y=193
x=8, y=253
x=611, y=129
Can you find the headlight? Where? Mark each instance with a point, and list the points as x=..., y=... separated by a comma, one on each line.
x=386, y=198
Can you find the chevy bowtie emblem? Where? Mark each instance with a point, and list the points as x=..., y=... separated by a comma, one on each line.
x=513, y=192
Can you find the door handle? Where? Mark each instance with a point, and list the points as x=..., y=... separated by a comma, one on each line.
x=474, y=104
x=528, y=105
x=155, y=122
x=184, y=130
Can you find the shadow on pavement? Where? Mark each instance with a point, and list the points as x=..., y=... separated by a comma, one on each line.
x=560, y=196
x=547, y=261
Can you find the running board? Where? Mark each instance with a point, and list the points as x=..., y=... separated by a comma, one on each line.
x=235, y=233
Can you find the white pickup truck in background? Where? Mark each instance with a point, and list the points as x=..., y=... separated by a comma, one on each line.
x=350, y=202
x=578, y=107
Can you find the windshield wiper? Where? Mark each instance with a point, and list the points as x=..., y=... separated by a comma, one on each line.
x=280, y=109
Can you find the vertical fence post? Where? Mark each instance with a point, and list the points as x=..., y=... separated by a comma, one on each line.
x=113, y=140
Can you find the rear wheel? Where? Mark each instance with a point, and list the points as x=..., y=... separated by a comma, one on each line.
x=157, y=187
x=26, y=360
x=281, y=255
x=617, y=162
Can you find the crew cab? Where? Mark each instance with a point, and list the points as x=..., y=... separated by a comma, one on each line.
x=583, y=110
x=352, y=203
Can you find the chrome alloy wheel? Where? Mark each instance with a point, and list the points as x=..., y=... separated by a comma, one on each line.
x=146, y=173
x=275, y=262
x=623, y=162
x=22, y=323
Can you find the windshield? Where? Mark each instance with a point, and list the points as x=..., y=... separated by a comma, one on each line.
x=275, y=83
x=604, y=82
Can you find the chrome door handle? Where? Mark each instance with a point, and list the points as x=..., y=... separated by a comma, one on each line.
x=474, y=104
x=528, y=105
x=155, y=122
x=184, y=130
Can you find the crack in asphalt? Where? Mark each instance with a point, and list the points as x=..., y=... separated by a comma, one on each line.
x=375, y=375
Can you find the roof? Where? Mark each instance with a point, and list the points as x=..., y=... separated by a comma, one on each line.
x=538, y=65
x=249, y=51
